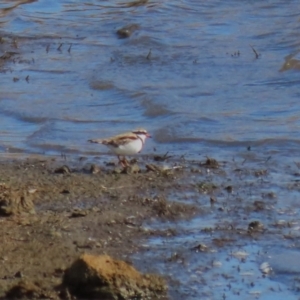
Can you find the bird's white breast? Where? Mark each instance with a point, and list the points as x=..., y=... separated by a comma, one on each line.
x=130, y=148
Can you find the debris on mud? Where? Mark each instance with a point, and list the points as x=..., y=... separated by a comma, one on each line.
x=62, y=170
x=210, y=163
x=153, y=168
x=103, y=277
x=26, y=289
x=258, y=205
x=206, y=187
x=260, y=173
x=162, y=157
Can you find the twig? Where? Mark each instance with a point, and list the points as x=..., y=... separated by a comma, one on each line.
x=118, y=187
x=69, y=50
x=268, y=159
x=59, y=47
x=297, y=164
x=149, y=54
x=255, y=52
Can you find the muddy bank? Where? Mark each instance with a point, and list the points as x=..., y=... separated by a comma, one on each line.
x=207, y=227
x=51, y=212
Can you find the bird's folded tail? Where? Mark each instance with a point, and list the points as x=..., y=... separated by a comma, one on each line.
x=97, y=141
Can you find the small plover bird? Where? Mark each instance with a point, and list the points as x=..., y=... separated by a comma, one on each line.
x=128, y=143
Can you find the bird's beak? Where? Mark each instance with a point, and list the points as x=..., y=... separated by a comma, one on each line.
x=148, y=135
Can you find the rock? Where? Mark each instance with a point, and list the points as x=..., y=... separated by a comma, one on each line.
x=102, y=277
x=95, y=169
x=255, y=226
x=15, y=201
x=127, y=30
x=131, y=169
x=62, y=170
x=153, y=168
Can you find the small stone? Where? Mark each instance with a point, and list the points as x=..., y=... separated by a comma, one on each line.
x=255, y=226
x=229, y=188
x=62, y=170
x=212, y=201
x=78, y=213
x=200, y=248
x=265, y=268
x=127, y=30
x=240, y=254
x=117, y=170
x=210, y=163
x=65, y=191
x=153, y=168
x=19, y=274
x=131, y=169
x=95, y=169
x=217, y=264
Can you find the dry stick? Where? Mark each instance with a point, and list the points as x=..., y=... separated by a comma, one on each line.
x=118, y=187
x=59, y=47
x=255, y=52
x=69, y=50
x=149, y=55
x=166, y=155
x=297, y=164
x=268, y=159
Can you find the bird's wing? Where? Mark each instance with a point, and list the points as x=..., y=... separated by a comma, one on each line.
x=120, y=139
x=116, y=140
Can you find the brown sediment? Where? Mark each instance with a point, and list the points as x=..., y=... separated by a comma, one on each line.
x=52, y=213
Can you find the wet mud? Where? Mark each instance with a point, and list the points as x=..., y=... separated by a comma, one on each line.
x=52, y=212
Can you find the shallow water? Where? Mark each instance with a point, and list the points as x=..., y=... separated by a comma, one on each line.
x=214, y=255
x=195, y=93
x=201, y=92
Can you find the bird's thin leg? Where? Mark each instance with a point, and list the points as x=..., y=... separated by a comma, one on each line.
x=120, y=160
x=123, y=162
